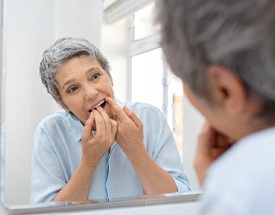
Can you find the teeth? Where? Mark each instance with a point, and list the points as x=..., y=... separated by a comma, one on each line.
x=100, y=104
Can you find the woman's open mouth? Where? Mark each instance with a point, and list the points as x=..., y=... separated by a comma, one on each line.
x=102, y=104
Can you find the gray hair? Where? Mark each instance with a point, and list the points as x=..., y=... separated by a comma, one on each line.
x=237, y=34
x=60, y=52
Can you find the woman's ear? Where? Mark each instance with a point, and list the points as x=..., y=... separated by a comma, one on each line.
x=227, y=88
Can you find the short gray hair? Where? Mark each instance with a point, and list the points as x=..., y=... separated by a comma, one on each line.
x=238, y=34
x=60, y=52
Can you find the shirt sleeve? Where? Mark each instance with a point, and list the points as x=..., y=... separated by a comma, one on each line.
x=164, y=150
x=47, y=177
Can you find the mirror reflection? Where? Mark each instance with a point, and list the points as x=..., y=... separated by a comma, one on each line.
x=130, y=44
x=100, y=147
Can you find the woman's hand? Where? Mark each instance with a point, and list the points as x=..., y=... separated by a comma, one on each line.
x=211, y=145
x=93, y=149
x=94, y=146
x=129, y=129
x=130, y=138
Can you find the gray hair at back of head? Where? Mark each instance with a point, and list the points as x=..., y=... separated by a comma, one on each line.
x=237, y=34
x=60, y=52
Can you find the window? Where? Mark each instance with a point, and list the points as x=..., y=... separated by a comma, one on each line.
x=144, y=75
x=144, y=23
x=151, y=81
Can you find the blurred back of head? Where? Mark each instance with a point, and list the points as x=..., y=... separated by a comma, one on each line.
x=237, y=34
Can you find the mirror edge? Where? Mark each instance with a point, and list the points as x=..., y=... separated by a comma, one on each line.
x=177, y=199
x=135, y=204
x=3, y=207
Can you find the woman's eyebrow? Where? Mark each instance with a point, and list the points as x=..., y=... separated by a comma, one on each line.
x=67, y=83
x=93, y=68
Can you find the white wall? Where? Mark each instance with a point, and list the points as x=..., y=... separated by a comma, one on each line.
x=24, y=40
x=115, y=46
x=29, y=28
x=193, y=121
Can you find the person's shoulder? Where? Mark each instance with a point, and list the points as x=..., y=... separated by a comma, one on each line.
x=246, y=158
x=53, y=119
x=244, y=172
x=144, y=111
x=147, y=106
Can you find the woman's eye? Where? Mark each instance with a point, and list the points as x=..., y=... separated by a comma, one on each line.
x=95, y=76
x=72, y=89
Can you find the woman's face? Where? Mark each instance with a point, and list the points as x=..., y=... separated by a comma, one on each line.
x=83, y=85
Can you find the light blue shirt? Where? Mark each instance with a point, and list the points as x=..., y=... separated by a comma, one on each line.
x=242, y=181
x=57, y=153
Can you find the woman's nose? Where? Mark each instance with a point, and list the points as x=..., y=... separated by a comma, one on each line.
x=90, y=93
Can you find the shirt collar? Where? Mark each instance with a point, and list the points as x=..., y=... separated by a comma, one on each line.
x=76, y=126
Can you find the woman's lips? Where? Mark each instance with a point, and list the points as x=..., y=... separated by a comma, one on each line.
x=100, y=103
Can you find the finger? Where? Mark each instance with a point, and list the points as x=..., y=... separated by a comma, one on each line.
x=120, y=114
x=222, y=141
x=217, y=152
x=86, y=134
x=133, y=117
x=114, y=127
x=100, y=123
x=108, y=126
x=207, y=136
x=213, y=143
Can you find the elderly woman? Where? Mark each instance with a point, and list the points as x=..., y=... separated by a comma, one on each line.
x=98, y=148
x=224, y=52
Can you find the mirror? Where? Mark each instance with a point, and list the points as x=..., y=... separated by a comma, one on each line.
x=29, y=27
